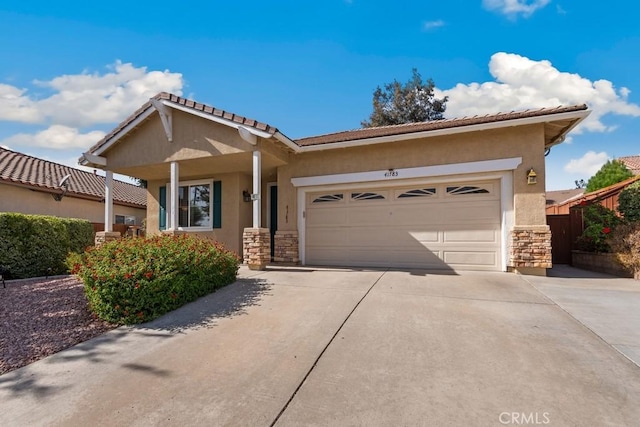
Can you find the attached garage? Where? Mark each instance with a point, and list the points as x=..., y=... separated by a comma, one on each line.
x=454, y=225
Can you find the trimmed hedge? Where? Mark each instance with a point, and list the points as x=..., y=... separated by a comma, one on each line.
x=137, y=280
x=37, y=245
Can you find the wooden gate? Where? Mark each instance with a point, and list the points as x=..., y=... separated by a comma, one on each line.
x=561, y=238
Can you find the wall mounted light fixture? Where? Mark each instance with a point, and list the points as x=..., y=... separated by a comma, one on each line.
x=532, y=177
x=246, y=196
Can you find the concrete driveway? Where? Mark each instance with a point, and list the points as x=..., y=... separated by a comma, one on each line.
x=297, y=346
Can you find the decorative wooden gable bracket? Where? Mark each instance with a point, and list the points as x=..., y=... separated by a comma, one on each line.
x=247, y=135
x=165, y=116
x=91, y=159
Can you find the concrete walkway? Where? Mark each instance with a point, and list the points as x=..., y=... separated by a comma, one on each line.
x=609, y=306
x=297, y=346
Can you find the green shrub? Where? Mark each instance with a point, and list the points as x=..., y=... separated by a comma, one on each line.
x=37, y=245
x=80, y=234
x=136, y=280
x=599, y=223
x=629, y=202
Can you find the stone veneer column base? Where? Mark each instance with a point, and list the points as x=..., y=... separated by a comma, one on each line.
x=105, y=236
x=286, y=247
x=256, y=247
x=530, y=249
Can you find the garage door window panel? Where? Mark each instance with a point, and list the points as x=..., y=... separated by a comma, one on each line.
x=418, y=192
x=328, y=198
x=467, y=189
x=367, y=196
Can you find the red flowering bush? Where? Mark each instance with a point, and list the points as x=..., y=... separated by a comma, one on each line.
x=599, y=222
x=136, y=280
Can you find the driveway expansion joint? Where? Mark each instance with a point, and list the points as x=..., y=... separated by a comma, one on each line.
x=315, y=363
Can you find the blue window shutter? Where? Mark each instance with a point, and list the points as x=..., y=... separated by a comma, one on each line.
x=217, y=204
x=162, y=216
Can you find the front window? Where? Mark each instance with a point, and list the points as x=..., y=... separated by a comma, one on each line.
x=194, y=206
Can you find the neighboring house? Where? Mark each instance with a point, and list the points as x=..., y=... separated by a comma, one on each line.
x=450, y=194
x=632, y=163
x=607, y=197
x=31, y=185
x=559, y=201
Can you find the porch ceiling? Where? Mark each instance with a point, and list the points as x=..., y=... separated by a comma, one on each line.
x=205, y=167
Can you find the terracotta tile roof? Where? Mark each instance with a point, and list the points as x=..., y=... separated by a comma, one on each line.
x=561, y=196
x=343, y=136
x=432, y=125
x=196, y=106
x=632, y=163
x=21, y=169
x=607, y=191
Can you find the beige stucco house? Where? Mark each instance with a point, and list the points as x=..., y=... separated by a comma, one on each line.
x=451, y=194
x=31, y=185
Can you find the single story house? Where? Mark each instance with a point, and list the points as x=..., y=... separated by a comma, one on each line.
x=31, y=185
x=452, y=194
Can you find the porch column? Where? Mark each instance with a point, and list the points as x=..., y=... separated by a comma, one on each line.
x=108, y=234
x=256, y=241
x=173, y=190
x=108, y=202
x=257, y=202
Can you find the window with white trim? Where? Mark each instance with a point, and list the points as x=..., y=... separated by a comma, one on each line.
x=199, y=205
x=194, y=206
x=125, y=219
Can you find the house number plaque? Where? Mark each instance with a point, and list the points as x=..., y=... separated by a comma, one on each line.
x=390, y=173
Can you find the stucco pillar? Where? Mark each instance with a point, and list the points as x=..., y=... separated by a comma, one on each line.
x=108, y=202
x=257, y=170
x=173, y=198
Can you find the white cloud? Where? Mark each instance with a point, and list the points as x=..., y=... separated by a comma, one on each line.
x=15, y=106
x=432, y=25
x=521, y=83
x=57, y=137
x=79, y=101
x=588, y=164
x=82, y=100
x=512, y=8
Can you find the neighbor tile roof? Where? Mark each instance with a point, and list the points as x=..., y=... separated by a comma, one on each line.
x=196, y=106
x=606, y=191
x=560, y=196
x=431, y=125
x=632, y=163
x=21, y=169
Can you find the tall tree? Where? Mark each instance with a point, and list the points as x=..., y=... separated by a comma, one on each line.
x=612, y=172
x=409, y=103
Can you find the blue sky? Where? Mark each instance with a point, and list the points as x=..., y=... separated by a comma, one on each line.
x=70, y=71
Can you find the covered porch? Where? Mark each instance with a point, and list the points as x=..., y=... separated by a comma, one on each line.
x=213, y=177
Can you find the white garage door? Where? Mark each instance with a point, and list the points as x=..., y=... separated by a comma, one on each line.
x=443, y=226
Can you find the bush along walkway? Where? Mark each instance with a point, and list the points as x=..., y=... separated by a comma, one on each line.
x=130, y=281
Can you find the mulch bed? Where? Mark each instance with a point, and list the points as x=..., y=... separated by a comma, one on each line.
x=40, y=317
